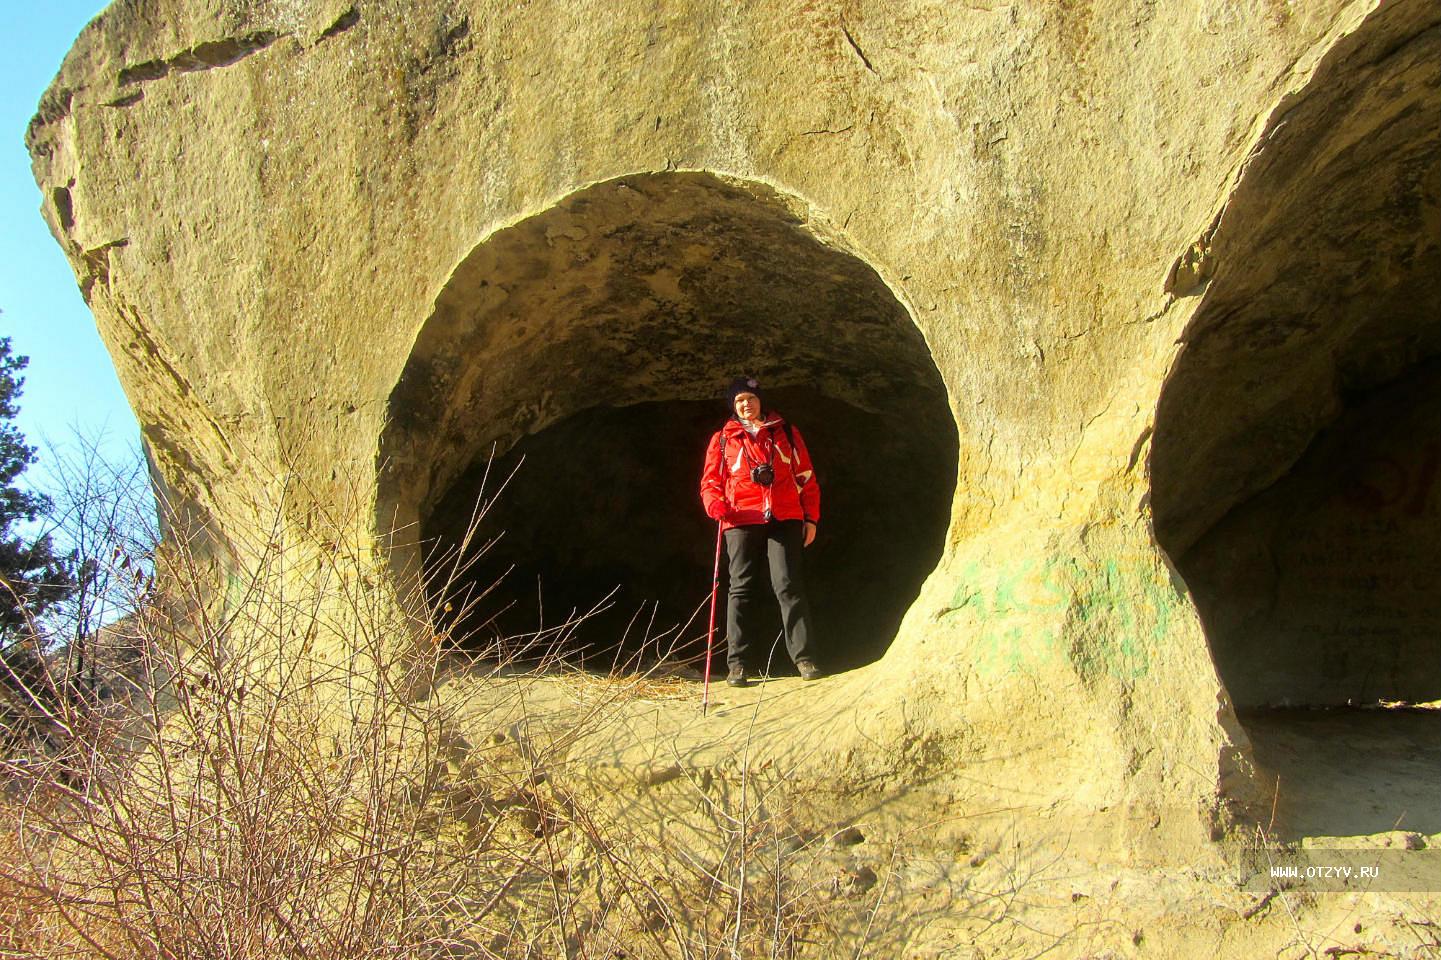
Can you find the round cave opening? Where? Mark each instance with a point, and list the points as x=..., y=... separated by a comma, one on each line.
x=547, y=435
x=1296, y=461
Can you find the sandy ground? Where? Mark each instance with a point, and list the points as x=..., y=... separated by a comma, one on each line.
x=927, y=880
x=1349, y=772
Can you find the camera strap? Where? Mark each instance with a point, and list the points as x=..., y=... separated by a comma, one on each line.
x=770, y=460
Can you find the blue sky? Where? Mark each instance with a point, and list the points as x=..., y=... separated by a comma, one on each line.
x=70, y=381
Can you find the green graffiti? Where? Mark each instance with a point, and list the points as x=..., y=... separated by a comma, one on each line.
x=233, y=595
x=1105, y=616
x=1118, y=607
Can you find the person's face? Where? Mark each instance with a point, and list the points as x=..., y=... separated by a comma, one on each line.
x=748, y=406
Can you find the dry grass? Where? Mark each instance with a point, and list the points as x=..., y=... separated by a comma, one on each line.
x=586, y=689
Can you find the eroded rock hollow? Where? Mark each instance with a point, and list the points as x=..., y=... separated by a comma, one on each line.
x=572, y=363
x=1296, y=462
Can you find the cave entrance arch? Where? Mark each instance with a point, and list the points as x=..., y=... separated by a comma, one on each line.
x=582, y=352
x=1296, y=463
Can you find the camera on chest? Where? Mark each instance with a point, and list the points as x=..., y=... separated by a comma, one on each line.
x=763, y=474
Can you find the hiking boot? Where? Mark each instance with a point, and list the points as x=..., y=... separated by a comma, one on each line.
x=809, y=670
x=737, y=677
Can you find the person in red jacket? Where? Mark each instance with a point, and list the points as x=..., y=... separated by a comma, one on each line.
x=759, y=484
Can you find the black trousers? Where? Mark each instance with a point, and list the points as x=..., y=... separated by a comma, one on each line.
x=753, y=551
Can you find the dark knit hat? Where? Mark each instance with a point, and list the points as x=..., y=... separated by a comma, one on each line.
x=739, y=386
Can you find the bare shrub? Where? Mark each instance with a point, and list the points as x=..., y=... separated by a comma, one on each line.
x=234, y=803
x=254, y=790
x=102, y=507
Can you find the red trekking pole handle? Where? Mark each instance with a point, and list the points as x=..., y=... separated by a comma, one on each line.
x=710, y=633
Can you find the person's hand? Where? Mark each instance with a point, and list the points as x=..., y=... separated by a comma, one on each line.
x=717, y=510
x=810, y=532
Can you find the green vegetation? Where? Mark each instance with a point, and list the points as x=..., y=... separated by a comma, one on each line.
x=34, y=577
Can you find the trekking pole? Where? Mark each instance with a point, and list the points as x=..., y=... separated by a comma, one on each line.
x=710, y=633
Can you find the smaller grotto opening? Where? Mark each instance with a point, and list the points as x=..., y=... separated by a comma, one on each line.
x=1296, y=462
x=582, y=354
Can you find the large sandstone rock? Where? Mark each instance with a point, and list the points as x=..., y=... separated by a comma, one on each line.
x=1083, y=304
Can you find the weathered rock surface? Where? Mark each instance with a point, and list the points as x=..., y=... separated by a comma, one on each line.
x=339, y=251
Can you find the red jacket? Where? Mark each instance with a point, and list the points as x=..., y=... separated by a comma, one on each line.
x=793, y=495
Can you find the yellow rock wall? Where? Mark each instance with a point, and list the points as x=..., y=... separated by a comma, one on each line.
x=268, y=203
